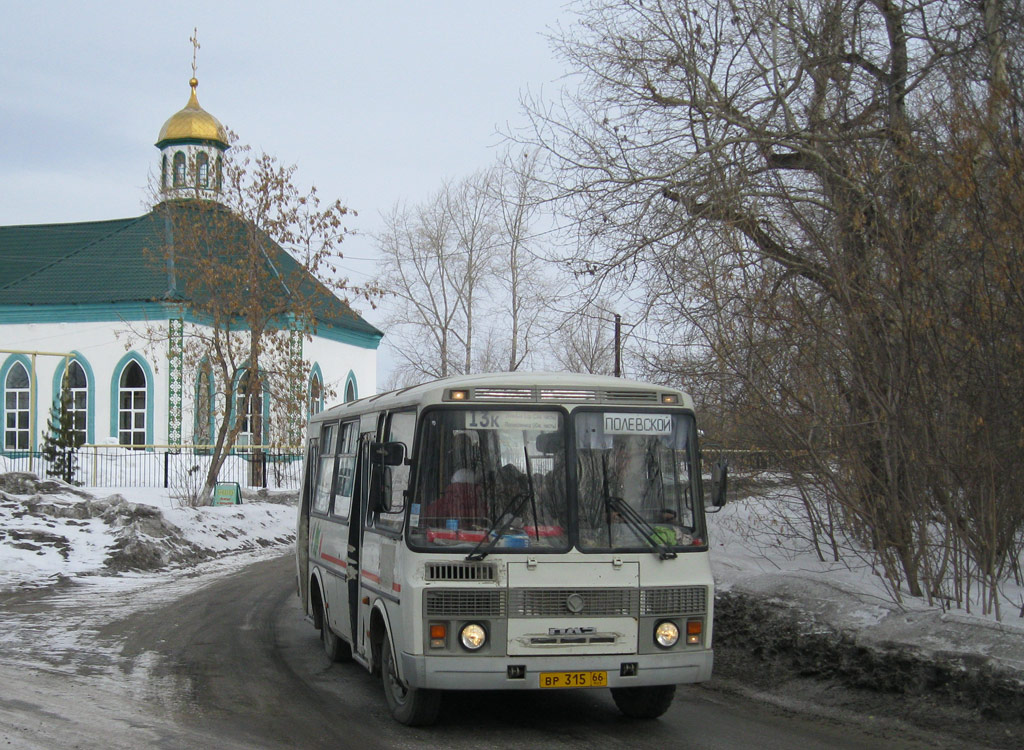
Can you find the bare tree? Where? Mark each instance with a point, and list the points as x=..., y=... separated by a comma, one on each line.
x=518, y=266
x=462, y=257
x=417, y=278
x=784, y=180
x=471, y=207
x=584, y=341
x=251, y=270
x=436, y=262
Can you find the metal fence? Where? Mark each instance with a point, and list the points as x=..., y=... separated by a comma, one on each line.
x=173, y=467
x=182, y=467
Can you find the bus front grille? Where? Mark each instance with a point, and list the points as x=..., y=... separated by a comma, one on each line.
x=622, y=602
x=677, y=600
x=464, y=603
x=460, y=571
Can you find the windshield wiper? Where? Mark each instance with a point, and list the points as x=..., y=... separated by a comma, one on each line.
x=511, y=509
x=640, y=526
x=529, y=487
x=631, y=518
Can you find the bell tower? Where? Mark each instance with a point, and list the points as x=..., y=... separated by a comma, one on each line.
x=192, y=144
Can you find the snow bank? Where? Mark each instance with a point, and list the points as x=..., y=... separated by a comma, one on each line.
x=50, y=530
x=778, y=600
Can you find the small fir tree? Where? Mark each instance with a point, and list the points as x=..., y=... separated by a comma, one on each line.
x=62, y=441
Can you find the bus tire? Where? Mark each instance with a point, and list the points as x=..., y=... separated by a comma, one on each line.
x=336, y=648
x=410, y=706
x=647, y=702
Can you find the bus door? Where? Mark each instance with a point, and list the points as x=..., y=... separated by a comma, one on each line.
x=386, y=468
x=302, y=535
x=358, y=611
x=355, y=536
x=344, y=517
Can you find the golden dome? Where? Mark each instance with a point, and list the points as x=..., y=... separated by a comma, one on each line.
x=193, y=123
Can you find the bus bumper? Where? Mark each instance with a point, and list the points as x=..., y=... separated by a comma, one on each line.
x=503, y=672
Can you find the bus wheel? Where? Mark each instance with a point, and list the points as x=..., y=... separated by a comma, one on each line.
x=409, y=706
x=335, y=648
x=644, y=702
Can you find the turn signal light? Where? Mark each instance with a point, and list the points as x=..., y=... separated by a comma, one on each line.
x=694, y=628
x=438, y=635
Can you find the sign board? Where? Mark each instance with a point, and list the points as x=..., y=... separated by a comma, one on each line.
x=531, y=421
x=227, y=493
x=637, y=424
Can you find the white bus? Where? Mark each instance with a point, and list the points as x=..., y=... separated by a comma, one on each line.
x=511, y=532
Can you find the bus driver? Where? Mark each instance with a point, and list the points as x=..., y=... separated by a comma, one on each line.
x=462, y=499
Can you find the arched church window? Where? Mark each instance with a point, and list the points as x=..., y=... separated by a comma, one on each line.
x=163, y=172
x=79, y=385
x=179, y=169
x=131, y=406
x=202, y=170
x=316, y=391
x=16, y=408
x=350, y=391
x=249, y=409
x=204, y=406
x=220, y=171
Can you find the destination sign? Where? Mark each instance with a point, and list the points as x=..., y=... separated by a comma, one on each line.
x=531, y=421
x=637, y=424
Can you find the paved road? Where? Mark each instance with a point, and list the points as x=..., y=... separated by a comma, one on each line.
x=237, y=662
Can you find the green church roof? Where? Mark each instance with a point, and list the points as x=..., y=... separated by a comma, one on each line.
x=121, y=261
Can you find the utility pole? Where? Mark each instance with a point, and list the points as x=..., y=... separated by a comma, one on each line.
x=618, y=345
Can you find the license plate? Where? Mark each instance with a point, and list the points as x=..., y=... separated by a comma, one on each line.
x=573, y=679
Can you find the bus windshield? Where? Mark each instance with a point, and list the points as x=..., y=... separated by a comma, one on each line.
x=643, y=461
x=492, y=477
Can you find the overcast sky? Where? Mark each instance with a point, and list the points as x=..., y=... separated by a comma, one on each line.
x=376, y=102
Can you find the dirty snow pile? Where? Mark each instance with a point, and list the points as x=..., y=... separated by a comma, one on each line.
x=50, y=530
x=814, y=615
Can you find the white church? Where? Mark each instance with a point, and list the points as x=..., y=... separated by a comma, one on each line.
x=70, y=293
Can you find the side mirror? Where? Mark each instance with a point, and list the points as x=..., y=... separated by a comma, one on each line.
x=384, y=456
x=380, y=489
x=388, y=454
x=550, y=442
x=719, y=483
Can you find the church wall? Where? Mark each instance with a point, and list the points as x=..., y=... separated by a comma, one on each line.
x=336, y=363
x=103, y=357
x=340, y=362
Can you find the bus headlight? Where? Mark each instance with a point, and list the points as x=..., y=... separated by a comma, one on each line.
x=473, y=636
x=666, y=634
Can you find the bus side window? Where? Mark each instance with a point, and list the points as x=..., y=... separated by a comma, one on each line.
x=346, y=472
x=325, y=472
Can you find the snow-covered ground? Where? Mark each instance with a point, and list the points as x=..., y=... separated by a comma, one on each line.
x=127, y=551
x=127, y=538
x=47, y=536
x=760, y=548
